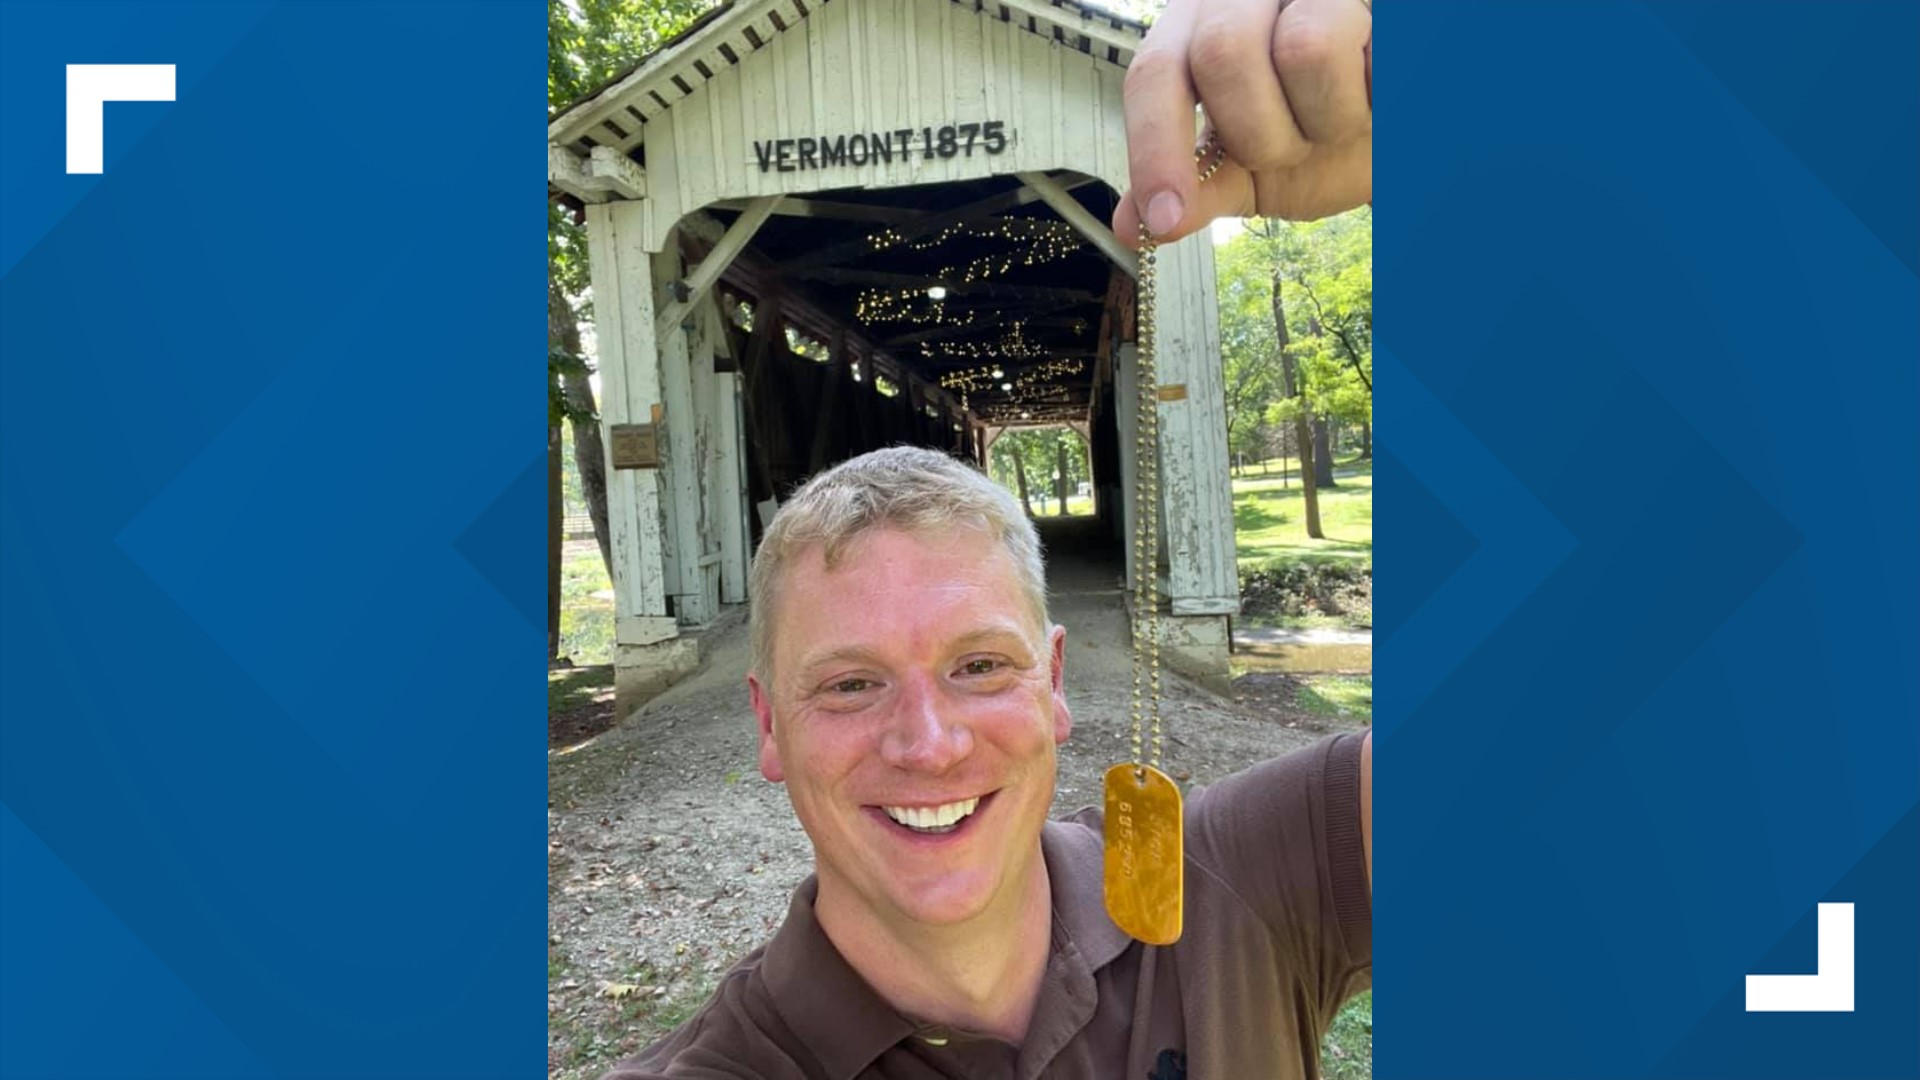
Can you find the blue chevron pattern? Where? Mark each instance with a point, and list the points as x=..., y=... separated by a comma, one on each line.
x=266, y=735
x=1649, y=339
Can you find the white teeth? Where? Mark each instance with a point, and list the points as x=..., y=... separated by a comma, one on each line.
x=941, y=818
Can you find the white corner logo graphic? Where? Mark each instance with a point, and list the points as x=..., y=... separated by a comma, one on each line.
x=1828, y=989
x=89, y=88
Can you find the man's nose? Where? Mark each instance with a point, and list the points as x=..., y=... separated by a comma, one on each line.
x=919, y=737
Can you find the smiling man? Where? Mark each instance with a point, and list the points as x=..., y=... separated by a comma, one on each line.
x=909, y=690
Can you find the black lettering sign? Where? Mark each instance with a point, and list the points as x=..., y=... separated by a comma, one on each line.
x=989, y=137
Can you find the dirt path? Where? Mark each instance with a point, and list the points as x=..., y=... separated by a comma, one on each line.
x=670, y=857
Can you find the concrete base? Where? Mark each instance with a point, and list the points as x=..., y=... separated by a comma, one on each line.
x=1197, y=646
x=640, y=672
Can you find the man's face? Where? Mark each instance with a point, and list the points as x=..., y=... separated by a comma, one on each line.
x=911, y=681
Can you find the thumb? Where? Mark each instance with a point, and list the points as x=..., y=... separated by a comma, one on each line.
x=1228, y=194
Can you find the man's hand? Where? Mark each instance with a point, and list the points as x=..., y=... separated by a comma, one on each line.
x=1288, y=89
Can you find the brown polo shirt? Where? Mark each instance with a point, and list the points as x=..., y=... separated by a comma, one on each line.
x=1278, y=933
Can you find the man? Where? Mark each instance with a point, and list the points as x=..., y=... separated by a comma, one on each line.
x=910, y=692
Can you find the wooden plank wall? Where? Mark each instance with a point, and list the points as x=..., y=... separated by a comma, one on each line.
x=877, y=65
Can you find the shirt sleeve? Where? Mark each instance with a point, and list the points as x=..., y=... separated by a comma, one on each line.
x=1284, y=836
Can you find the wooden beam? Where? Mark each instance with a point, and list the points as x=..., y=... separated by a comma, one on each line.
x=823, y=208
x=567, y=172
x=606, y=172
x=630, y=391
x=717, y=260
x=645, y=629
x=992, y=204
x=616, y=172
x=1083, y=221
x=1097, y=30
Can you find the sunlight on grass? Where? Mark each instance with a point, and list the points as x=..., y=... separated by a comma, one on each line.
x=586, y=605
x=1270, y=523
x=1338, y=695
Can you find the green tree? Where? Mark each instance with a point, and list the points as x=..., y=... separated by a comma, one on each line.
x=1296, y=315
x=1056, y=455
x=1332, y=270
x=1249, y=351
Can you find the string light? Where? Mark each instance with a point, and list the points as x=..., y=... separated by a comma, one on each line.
x=904, y=305
x=996, y=229
x=1037, y=381
x=1045, y=242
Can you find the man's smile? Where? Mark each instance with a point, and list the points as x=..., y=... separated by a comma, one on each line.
x=932, y=820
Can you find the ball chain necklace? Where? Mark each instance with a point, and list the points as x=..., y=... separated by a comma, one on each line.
x=1144, y=876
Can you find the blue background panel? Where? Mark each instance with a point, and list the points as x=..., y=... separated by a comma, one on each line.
x=271, y=770
x=271, y=519
x=1650, y=598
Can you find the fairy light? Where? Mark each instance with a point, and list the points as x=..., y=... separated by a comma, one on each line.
x=1036, y=381
x=1032, y=229
x=907, y=306
x=1038, y=242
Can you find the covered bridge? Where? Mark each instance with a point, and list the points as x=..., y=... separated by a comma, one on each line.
x=818, y=227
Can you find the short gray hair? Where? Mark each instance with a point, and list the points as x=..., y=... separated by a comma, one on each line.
x=909, y=488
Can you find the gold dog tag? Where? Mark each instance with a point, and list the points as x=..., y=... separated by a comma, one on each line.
x=1145, y=876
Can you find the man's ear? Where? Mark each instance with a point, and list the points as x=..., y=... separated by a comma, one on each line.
x=1062, y=717
x=763, y=712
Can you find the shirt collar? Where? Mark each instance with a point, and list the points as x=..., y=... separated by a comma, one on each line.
x=846, y=1024
x=1076, y=871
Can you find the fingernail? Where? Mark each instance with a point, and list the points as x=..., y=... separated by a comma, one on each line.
x=1164, y=212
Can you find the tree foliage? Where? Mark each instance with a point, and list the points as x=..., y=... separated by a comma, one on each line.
x=589, y=42
x=1326, y=269
x=1038, y=451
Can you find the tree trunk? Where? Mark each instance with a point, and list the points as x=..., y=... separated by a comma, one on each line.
x=1322, y=435
x=1060, y=484
x=589, y=454
x=1366, y=442
x=1322, y=454
x=556, y=515
x=1302, y=436
x=1020, y=476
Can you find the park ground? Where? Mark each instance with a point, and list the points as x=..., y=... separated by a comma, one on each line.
x=670, y=857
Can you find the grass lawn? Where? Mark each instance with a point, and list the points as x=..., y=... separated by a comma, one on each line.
x=1269, y=519
x=1077, y=505
x=1347, y=1053
x=1344, y=696
x=586, y=605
